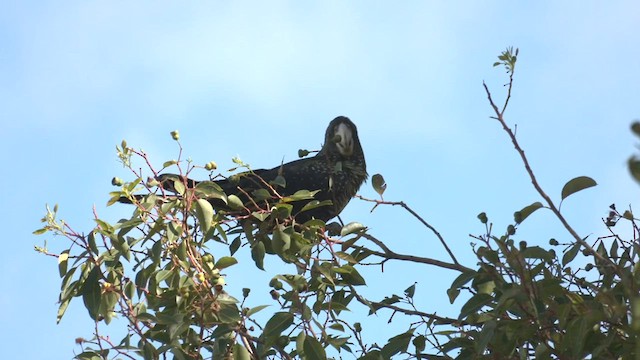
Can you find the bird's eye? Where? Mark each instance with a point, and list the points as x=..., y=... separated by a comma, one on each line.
x=336, y=138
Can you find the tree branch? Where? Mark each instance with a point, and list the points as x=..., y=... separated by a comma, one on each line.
x=499, y=116
x=406, y=207
x=390, y=254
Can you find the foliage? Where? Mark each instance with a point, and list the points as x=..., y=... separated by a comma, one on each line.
x=162, y=271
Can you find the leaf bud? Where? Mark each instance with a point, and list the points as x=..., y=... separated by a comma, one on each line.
x=116, y=181
x=211, y=165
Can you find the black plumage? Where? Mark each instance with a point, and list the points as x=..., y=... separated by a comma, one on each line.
x=337, y=171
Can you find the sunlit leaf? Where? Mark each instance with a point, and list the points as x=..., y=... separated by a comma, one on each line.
x=235, y=202
x=204, y=213
x=346, y=257
x=256, y=309
x=300, y=195
x=210, y=190
x=62, y=262
x=225, y=262
x=315, y=204
x=352, y=228
x=166, y=164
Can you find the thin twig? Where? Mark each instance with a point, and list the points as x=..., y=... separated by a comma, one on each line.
x=390, y=254
x=499, y=116
x=374, y=305
x=423, y=221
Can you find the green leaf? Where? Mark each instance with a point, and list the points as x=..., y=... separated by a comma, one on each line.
x=281, y=240
x=261, y=216
x=313, y=350
x=485, y=336
x=536, y=252
x=486, y=287
x=282, y=211
x=463, y=278
x=410, y=291
x=229, y=313
x=520, y=216
x=300, y=344
x=634, y=168
x=419, y=342
x=166, y=164
x=163, y=275
x=397, y=344
x=352, y=228
x=91, y=293
x=577, y=184
x=344, y=256
x=351, y=275
x=63, y=262
x=257, y=254
x=107, y=304
x=62, y=309
x=452, y=293
x=279, y=181
x=260, y=194
x=300, y=195
x=235, y=202
x=635, y=128
x=474, y=304
x=278, y=323
x=204, y=213
x=240, y=352
x=91, y=355
x=225, y=262
x=373, y=355
x=235, y=245
x=570, y=254
x=315, y=204
x=255, y=309
x=210, y=190
x=483, y=217
x=378, y=183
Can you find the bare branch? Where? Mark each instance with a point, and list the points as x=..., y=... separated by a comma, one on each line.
x=410, y=210
x=390, y=254
x=499, y=116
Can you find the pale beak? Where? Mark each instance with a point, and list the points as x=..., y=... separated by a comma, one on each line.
x=345, y=144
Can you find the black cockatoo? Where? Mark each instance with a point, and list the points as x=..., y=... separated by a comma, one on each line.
x=336, y=172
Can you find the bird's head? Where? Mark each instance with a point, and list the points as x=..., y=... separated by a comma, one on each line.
x=341, y=138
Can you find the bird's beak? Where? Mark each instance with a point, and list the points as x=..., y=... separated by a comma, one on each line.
x=345, y=142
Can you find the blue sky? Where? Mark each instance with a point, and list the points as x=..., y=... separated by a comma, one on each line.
x=263, y=80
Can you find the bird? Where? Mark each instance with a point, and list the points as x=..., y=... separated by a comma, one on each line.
x=334, y=176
